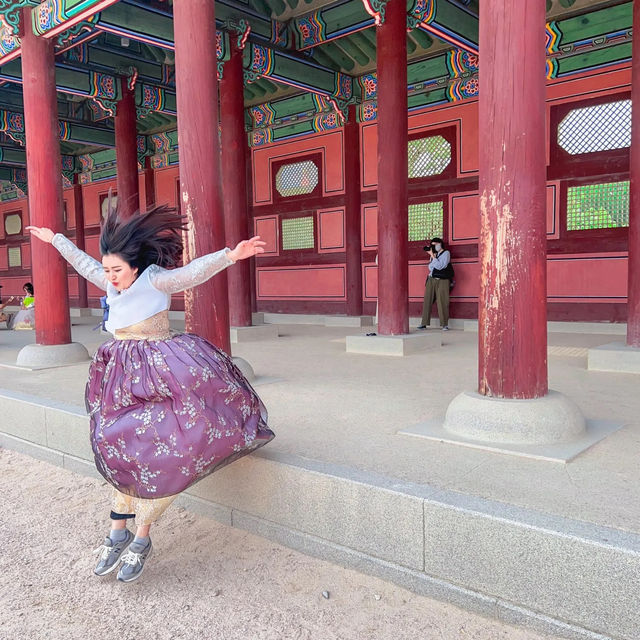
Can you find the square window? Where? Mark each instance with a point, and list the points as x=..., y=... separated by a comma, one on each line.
x=426, y=220
x=598, y=206
x=15, y=257
x=297, y=233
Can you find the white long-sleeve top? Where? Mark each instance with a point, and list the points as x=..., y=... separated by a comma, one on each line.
x=151, y=291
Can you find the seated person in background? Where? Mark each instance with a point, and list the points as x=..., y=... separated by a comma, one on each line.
x=437, y=284
x=5, y=317
x=26, y=317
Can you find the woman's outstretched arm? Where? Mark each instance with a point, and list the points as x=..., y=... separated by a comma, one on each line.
x=88, y=267
x=201, y=269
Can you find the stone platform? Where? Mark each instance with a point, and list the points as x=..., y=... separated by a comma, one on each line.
x=551, y=545
x=400, y=345
x=251, y=334
x=615, y=357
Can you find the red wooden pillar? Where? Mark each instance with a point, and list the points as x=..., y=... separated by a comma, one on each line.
x=127, y=153
x=234, y=184
x=351, y=142
x=512, y=314
x=44, y=172
x=633, y=303
x=78, y=207
x=149, y=184
x=393, y=268
x=194, y=25
x=252, y=268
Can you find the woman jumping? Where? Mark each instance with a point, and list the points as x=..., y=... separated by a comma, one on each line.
x=166, y=409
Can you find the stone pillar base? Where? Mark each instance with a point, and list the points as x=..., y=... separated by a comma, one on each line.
x=45, y=356
x=257, y=317
x=245, y=368
x=251, y=334
x=400, y=345
x=617, y=357
x=553, y=418
x=549, y=428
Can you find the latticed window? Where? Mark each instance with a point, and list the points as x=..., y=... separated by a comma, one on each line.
x=297, y=179
x=428, y=156
x=297, y=233
x=426, y=220
x=15, y=257
x=601, y=127
x=598, y=206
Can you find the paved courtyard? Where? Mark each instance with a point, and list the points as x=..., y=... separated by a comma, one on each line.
x=347, y=409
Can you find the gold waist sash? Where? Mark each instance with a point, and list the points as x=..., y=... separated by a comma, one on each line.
x=154, y=328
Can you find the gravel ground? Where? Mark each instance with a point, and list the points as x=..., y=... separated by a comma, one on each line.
x=205, y=581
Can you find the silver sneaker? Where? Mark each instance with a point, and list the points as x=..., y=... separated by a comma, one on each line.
x=110, y=554
x=133, y=561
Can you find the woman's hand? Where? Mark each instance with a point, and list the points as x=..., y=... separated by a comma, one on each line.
x=42, y=233
x=247, y=249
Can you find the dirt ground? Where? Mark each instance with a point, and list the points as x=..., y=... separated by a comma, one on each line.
x=52, y=519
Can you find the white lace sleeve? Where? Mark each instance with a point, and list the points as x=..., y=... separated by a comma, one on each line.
x=196, y=272
x=88, y=267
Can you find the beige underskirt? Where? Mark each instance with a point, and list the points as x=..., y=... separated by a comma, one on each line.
x=147, y=510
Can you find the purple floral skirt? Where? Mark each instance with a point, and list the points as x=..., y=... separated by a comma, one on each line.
x=166, y=413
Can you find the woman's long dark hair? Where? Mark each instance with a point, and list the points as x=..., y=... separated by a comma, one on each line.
x=153, y=237
x=29, y=287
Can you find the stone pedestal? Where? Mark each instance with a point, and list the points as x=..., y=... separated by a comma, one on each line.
x=257, y=317
x=80, y=312
x=616, y=357
x=40, y=356
x=400, y=345
x=252, y=334
x=348, y=321
x=548, y=428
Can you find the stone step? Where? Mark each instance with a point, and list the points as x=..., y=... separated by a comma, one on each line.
x=551, y=573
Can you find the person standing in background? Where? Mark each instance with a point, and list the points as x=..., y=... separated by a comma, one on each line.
x=438, y=284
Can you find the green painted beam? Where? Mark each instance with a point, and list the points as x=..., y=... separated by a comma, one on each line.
x=289, y=69
x=332, y=22
x=13, y=156
x=64, y=14
x=593, y=59
x=335, y=53
x=69, y=132
x=281, y=66
x=277, y=6
x=422, y=38
x=348, y=45
x=449, y=22
x=320, y=55
x=595, y=24
x=363, y=43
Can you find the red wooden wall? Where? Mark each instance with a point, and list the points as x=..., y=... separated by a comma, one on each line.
x=586, y=270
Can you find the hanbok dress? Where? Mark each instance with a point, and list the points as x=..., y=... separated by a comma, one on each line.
x=166, y=409
x=26, y=317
